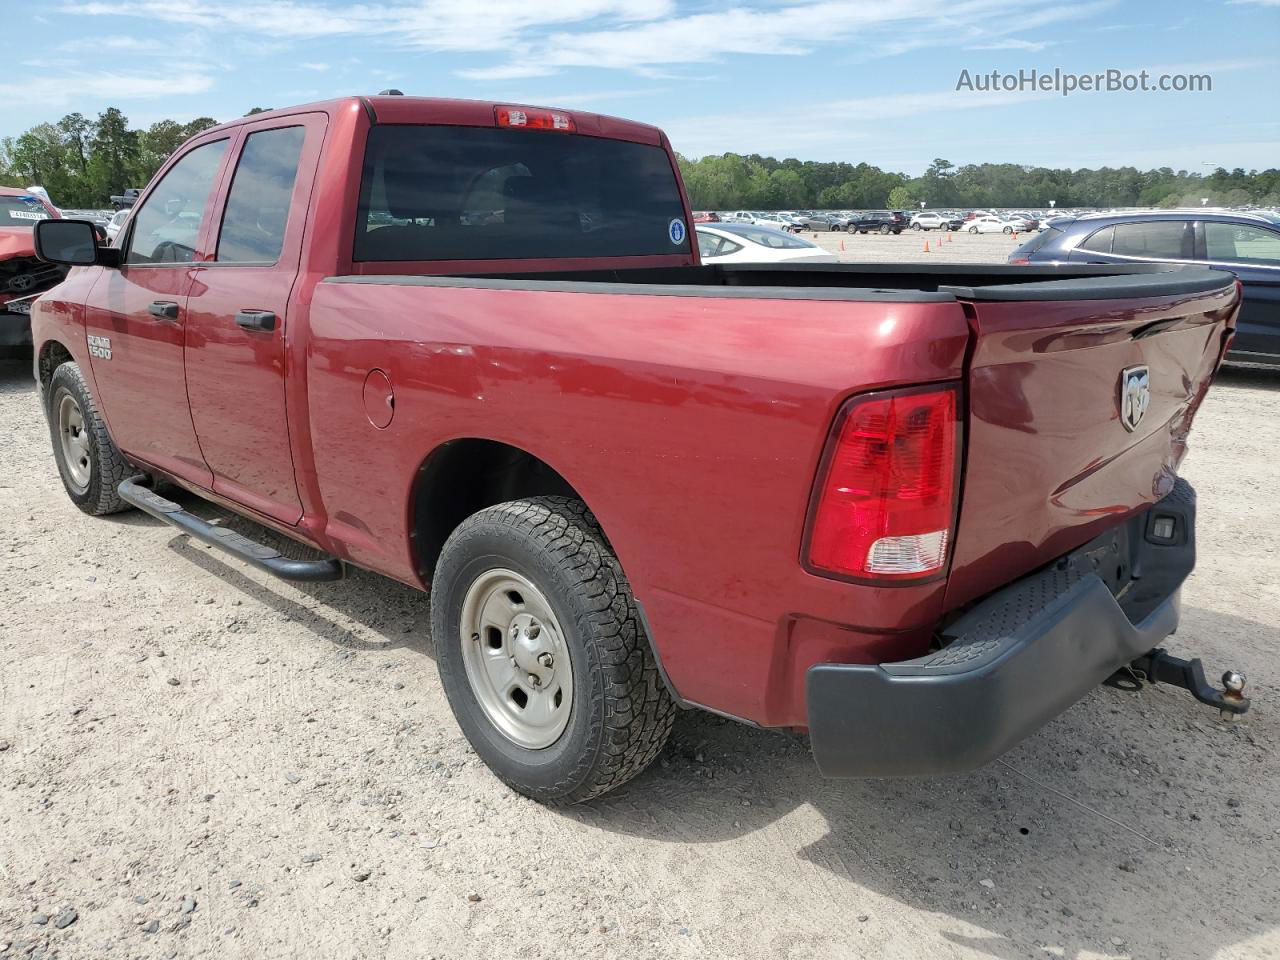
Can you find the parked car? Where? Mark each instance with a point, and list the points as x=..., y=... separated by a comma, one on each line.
x=741, y=216
x=22, y=276
x=630, y=480
x=1244, y=244
x=706, y=216
x=817, y=222
x=878, y=221
x=990, y=224
x=116, y=224
x=932, y=220
x=747, y=243
x=777, y=221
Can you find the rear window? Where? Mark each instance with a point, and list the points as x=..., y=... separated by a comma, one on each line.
x=1036, y=241
x=476, y=193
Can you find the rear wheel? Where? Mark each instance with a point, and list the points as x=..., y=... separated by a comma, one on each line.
x=973, y=229
x=541, y=652
x=916, y=226
x=1008, y=230
x=90, y=465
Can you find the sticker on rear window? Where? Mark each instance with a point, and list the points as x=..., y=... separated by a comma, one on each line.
x=676, y=231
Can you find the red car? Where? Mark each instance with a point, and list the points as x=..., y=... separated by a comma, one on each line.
x=22, y=276
x=706, y=216
x=470, y=346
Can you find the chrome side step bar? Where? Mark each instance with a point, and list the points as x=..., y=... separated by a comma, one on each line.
x=133, y=492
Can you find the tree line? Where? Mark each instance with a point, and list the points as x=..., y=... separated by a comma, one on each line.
x=84, y=162
x=730, y=181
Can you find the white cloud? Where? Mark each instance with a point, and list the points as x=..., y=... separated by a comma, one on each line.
x=52, y=89
x=1029, y=46
x=120, y=43
x=823, y=125
x=317, y=67
x=642, y=36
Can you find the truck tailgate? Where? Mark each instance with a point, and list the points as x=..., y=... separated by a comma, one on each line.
x=1050, y=461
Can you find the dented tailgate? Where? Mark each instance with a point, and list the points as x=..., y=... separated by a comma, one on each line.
x=1050, y=459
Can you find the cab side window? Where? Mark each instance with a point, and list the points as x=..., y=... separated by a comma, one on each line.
x=1238, y=243
x=1099, y=242
x=166, y=228
x=257, y=210
x=1156, y=239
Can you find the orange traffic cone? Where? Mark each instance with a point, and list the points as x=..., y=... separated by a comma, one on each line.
x=842, y=246
x=926, y=246
x=948, y=238
x=1015, y=235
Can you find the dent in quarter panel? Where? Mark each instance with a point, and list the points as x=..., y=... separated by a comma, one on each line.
x=691, y=426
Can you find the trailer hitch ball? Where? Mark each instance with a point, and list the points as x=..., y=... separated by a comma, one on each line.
x=1233, y=691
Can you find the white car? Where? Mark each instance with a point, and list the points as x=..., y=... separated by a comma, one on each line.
x=777, y=221
x=748, y=243
x=116, y=224
x=930, y=220
x=991, y=224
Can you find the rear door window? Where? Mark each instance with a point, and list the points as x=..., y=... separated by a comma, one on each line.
x=480, y=193
x=1153, y=239
x=257, y=208
x=1240, y=243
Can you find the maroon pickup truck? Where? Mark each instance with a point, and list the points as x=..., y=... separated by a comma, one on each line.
x=914, y=511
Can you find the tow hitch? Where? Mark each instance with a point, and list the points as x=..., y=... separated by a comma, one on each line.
x=1158, y=666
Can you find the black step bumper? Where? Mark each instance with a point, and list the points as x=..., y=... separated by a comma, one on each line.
x=1015, y=661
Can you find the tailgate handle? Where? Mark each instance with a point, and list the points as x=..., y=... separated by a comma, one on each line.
x=163, y=309
x=256, y=319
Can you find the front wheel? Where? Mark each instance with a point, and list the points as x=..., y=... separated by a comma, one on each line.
x=90, y=465
x=541, y=651
x=973, y=229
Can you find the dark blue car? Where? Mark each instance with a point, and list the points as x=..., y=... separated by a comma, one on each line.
x=1246, y=244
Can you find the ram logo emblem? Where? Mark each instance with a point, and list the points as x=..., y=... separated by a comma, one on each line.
x=1135, y=396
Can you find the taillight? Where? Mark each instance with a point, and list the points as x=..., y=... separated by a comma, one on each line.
x=1020, y=261
x=532, y=119
x=886, y=496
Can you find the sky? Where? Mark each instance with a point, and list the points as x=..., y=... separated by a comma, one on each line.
x=813, y=79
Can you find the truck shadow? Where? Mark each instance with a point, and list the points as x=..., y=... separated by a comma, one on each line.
x=1137, y=824
x=1250, y=378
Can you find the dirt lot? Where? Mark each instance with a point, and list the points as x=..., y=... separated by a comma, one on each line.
x=908, y=246
x=199, y=761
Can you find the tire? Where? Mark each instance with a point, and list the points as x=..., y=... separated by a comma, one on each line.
x=1007, y=230
x=916, y=227
x=568, y=583
x=90, y=465
x=885, y=231
x=973, y=229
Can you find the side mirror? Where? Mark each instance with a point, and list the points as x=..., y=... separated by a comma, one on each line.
x=73, y=243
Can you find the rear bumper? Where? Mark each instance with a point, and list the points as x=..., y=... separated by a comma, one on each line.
x=1015, y=661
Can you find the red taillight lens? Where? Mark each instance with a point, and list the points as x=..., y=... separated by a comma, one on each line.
x=530, y=119
x=1020, y=261
x=886, y=498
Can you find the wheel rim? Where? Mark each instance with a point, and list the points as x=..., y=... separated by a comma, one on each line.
x=516, y=658
x=75, y=442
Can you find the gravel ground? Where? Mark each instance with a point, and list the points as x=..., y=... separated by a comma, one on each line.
x=199, y=761
x=908, y=246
